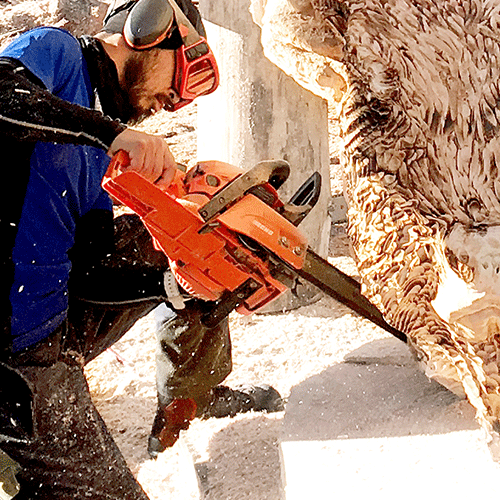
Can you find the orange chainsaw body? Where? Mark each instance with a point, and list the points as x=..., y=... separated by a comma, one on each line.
x=211, y=257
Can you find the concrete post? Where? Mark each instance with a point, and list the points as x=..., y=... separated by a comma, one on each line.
x=260, y=113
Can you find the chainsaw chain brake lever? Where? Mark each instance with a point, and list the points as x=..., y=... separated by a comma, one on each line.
x=303, y=201
x=275, y=172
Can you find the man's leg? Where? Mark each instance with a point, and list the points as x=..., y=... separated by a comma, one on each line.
x=71, y=453
x=191, y=361
x=191, y=358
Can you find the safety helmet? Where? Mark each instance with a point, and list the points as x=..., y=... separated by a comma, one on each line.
x=146, y=24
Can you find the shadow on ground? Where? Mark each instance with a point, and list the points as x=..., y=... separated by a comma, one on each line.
x=244, y=461
x=379, y=392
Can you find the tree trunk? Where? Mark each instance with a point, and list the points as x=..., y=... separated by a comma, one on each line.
x=260, y=113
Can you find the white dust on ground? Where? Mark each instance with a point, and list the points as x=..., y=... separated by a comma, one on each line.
x=238, y=457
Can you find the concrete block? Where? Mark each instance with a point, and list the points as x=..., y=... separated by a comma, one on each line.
x=380, y=430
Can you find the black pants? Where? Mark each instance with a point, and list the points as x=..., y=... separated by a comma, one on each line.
x=72, y=454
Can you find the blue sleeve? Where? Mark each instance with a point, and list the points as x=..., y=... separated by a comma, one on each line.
x=46, y=93
x=51, y=54
x=103, y=202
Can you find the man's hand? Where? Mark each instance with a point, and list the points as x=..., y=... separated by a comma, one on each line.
x=149, y=155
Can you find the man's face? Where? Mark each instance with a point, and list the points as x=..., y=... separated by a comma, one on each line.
x=147, y=80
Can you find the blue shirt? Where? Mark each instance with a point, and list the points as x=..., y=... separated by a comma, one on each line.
x=64, y=184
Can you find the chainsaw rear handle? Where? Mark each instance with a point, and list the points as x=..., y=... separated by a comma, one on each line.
x=121, y=161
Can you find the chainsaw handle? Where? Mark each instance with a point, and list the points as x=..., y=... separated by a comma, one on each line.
x=275, y=172
x=120, y=161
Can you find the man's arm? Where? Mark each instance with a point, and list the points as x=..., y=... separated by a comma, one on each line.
x=31, y=113
x=114, y=260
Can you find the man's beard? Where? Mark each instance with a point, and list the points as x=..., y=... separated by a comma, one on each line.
x=132, y=85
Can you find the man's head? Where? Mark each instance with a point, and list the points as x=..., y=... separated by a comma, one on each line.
x=161, y=54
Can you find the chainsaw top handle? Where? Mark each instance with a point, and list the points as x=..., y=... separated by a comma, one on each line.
x=274, y=172
x=271, y=172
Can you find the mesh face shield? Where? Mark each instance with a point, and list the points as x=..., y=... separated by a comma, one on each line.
x=163, y=24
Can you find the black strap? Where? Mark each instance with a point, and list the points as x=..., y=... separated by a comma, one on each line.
x=104, y=77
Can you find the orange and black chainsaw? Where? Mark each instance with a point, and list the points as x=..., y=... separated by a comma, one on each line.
x=231, y=240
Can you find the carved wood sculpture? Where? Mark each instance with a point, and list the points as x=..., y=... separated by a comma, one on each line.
x=417, y=88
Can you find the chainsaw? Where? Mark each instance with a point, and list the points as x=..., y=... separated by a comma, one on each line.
x=231, y=240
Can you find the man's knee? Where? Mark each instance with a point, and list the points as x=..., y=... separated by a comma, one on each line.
x=191, y=358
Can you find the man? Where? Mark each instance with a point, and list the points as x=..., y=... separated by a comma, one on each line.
x=74, y=281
